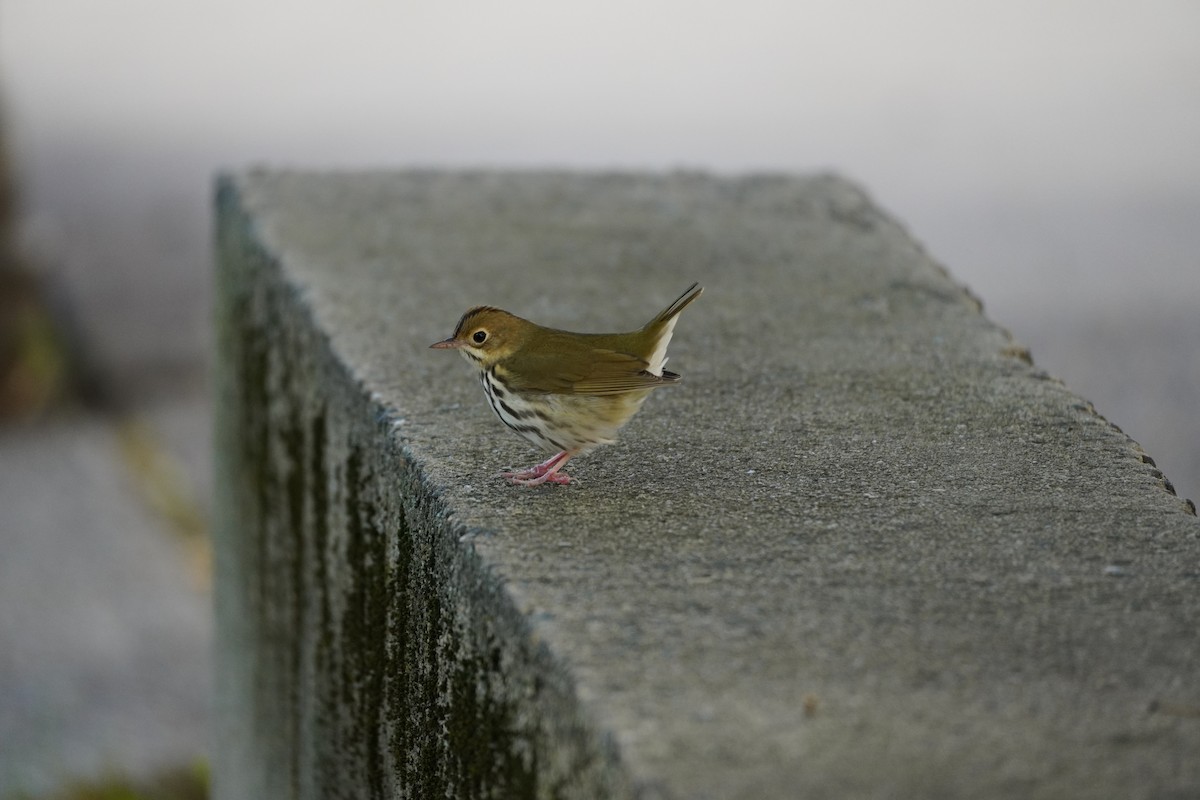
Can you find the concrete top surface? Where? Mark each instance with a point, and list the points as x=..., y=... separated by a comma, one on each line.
x=864, y=548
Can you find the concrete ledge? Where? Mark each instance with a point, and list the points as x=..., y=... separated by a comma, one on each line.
x=866, y=549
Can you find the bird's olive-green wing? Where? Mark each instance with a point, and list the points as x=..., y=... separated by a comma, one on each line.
x=579, y=370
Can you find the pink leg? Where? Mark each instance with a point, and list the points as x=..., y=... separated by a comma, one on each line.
x=547, y=471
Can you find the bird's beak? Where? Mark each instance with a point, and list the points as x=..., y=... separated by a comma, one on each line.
x=446, y=344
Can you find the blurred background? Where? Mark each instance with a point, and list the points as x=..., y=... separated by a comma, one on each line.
x=1047, y=153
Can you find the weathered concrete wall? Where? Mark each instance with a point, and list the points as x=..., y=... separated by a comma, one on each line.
x=865, y=549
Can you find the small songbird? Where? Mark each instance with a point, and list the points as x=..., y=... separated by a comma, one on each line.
x=565, y=392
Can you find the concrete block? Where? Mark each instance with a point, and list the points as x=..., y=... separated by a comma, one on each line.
x=866, y=548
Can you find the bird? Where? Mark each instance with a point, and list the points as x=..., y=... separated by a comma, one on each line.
x=567, y=393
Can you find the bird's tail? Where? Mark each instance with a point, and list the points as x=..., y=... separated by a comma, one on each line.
x=663, y=326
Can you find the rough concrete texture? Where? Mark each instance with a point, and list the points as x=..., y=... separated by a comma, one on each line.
x=865, y=549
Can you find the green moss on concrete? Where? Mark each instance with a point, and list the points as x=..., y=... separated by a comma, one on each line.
x=372, y=647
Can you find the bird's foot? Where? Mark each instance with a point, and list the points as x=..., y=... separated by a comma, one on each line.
x=561, y=478
x=545, y=472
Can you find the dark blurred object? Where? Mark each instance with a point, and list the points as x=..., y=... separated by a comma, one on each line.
x=32, y=363
x=38, y=368
x=181, y=784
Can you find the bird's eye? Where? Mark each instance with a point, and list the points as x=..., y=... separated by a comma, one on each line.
x=479, y=337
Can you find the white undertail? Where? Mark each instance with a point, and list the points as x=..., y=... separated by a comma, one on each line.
x=658, y=358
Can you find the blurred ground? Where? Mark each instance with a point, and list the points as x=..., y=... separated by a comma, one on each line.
x=106, y=630
x=1044, y=152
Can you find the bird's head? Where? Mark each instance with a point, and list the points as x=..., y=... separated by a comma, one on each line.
x=486, y=335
